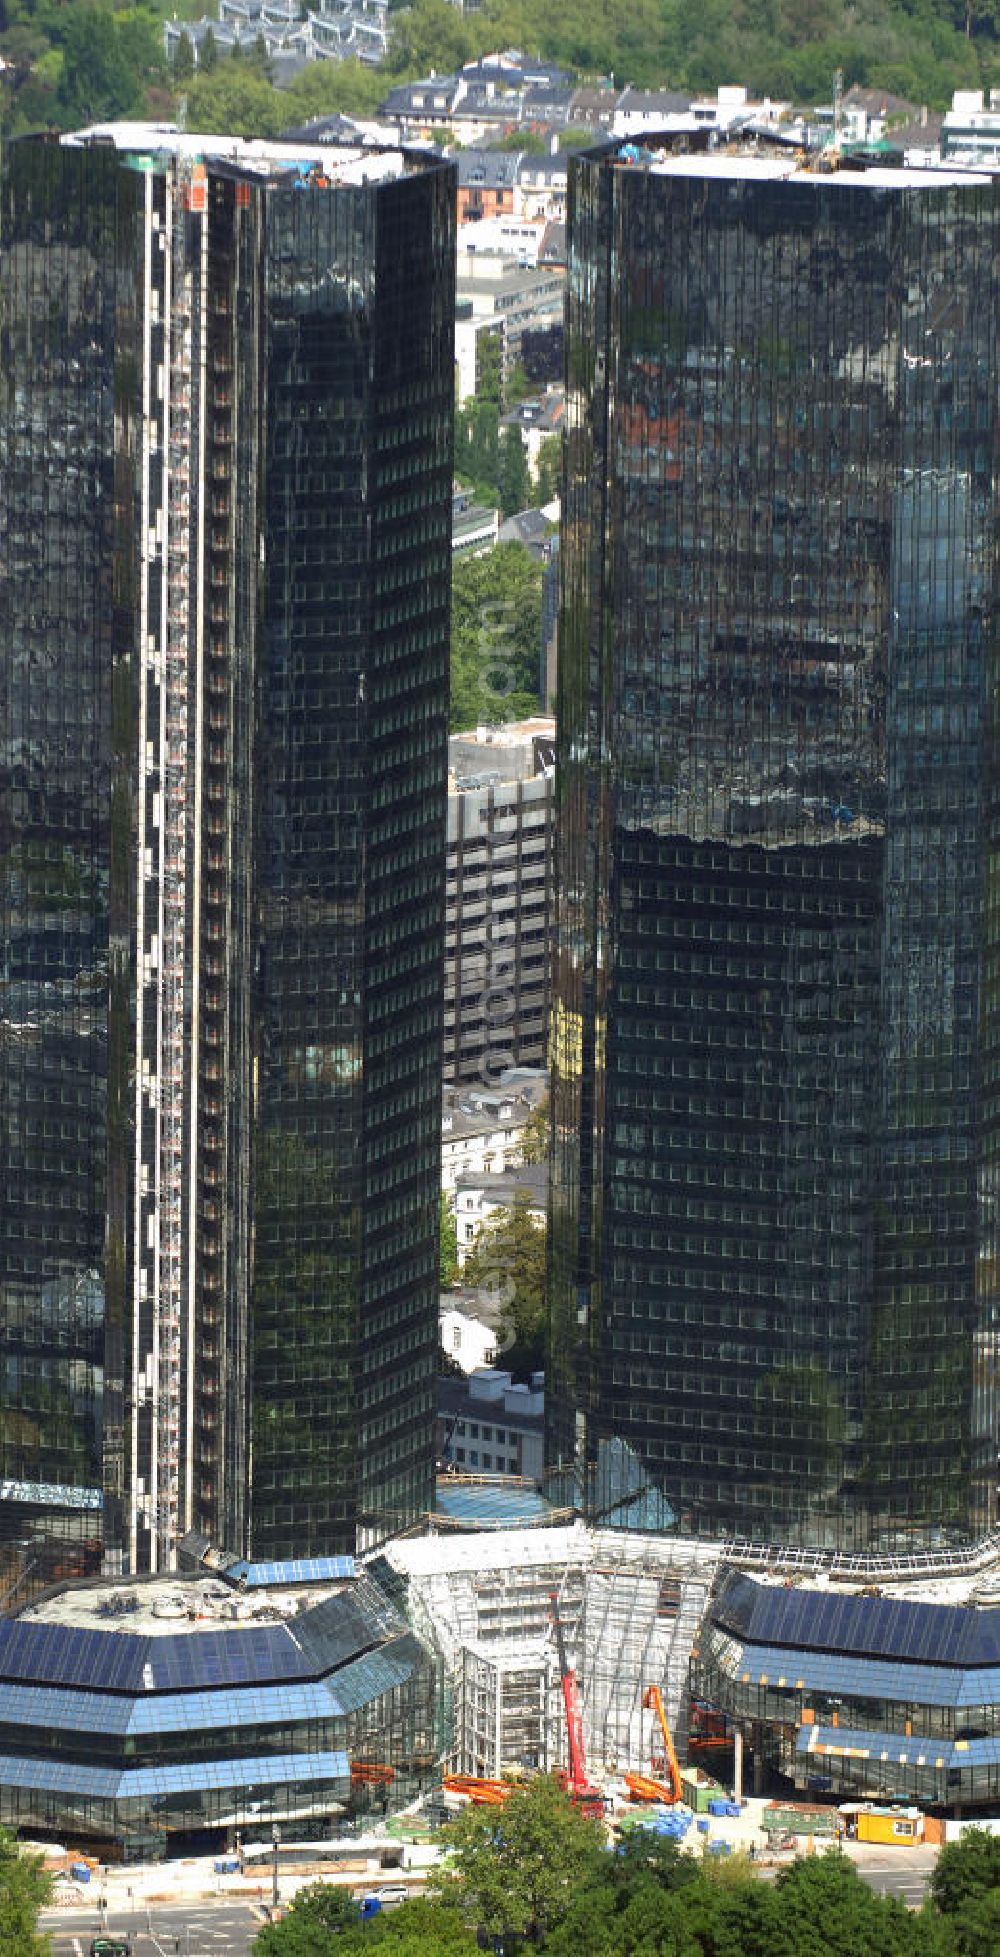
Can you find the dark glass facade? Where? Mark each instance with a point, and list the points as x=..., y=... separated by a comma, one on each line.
x=225, y=480
x=352, y=786
x=775, y=1174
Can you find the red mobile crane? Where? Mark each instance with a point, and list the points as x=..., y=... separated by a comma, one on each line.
x=587, y=1798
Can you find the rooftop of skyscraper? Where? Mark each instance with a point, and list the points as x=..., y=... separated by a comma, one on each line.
x=313, y=164
x=171, y=1605
x=761, y=156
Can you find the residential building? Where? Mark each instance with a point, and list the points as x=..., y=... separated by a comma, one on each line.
x=467, y=1328
x=776, y=1170
x=479, y=1194
x=970, y=132
x=636, y=111
x=339, y=30
x=498, y=901
x=511, y=300
x=593, y=107
x=483, y=1128
x=489, y=1425
x=487, y=183
x=225, y=472
x=536, y=530
x=541, y=186
x=513, y=240
x=475, y=527
x=535, y=418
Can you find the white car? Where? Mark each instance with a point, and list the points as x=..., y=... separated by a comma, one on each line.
x=393, y=1893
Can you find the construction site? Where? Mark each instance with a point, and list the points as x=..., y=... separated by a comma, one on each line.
x=619, y=1658
x=665, y=1680
x=513, y=1615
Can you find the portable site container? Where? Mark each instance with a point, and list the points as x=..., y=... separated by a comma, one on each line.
x=893, y=1827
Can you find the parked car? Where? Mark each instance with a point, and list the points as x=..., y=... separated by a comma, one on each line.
x=391, y=1894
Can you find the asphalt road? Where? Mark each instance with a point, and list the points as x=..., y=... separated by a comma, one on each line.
x=225, y=1928
x=197, y=1929
x=905, y=1873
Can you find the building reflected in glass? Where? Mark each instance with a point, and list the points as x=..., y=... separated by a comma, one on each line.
x=774, y=1225
x=225, y=460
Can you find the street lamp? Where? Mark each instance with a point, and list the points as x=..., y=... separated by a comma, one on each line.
x=275, y=1839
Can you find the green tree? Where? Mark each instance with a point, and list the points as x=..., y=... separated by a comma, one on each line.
x=24, y=1890
x=517, y=386
x=449, y=1242
x=208, y=53
x=517, y=1869
x=324, y=88
x=421, y=1927
x=430, y=35
x=965, y=1871
x=477, y=447
x=496, y=625
x=637, y=1899
x=183, y=67
x=548, y=470
x=318, y=1914
x=515, y=479
x=489, y=367
x=232, y=97
x=976, y=1926
x=508, y=1260
x=827, y=1889
x=102, y=76
x=533, y=1145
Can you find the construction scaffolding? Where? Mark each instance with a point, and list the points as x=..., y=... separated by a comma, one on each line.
x=629, y=1607
x=176, y=683
x=500, y=1709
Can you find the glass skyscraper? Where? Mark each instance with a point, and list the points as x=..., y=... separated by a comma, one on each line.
x=776, y=1159
x=225, y=476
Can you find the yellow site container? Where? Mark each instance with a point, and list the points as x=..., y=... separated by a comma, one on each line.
x=893, y=1827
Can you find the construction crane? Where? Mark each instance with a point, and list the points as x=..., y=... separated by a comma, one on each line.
x=588, y=1799
x=644, y=1787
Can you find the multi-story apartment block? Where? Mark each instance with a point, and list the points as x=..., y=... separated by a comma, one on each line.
x=499, y=899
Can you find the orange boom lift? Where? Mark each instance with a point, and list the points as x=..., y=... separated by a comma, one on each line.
x=643, y=1787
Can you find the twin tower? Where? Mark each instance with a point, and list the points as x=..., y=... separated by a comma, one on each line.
x=225, y=482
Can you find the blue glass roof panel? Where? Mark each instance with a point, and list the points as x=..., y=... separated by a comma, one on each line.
x=238, y=1656
x=256, y=1705
x=336, y=1631
x=65, y=1709
x=356, y=1684
x=59, y=1776
x=867, y=1678
x=934, y=1634
x=489, y=1507
x=301, y=1569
